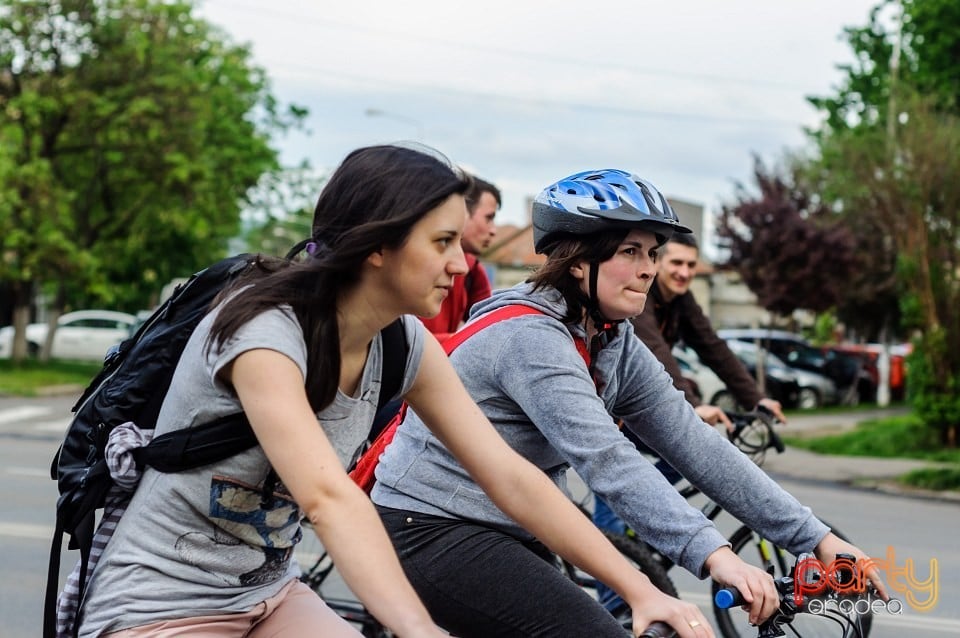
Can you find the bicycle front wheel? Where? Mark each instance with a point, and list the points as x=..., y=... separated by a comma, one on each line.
x=639, y=555
x=755, y=550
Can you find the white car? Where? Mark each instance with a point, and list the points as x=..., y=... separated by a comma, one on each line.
x=707, y=384
x=81, y=335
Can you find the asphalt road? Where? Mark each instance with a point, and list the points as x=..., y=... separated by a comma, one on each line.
x=30, y=430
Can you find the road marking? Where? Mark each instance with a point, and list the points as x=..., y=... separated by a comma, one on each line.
x=59, y=426
x=26, y=530
x=917, y=620
x=27, y=471
x=909, y=619
x=20, y=413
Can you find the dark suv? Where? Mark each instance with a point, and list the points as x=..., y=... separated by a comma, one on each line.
x=853, y=380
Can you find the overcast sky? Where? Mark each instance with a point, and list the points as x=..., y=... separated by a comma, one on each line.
x=525, y=92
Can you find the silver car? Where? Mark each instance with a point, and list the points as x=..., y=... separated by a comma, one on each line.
x=815, y=389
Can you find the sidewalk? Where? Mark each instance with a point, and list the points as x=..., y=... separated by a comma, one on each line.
x=862, y=471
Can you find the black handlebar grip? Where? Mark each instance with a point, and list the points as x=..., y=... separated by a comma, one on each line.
x=777, y=442
x=658, y=630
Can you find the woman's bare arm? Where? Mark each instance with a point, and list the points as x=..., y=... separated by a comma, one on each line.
x=271, y=389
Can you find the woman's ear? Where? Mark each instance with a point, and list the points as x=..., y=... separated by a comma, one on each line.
x=579, y=271
x=375, y=259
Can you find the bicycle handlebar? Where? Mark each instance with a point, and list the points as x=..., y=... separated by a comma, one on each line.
x=748, y=423
x=658, y=630
x=789, y=607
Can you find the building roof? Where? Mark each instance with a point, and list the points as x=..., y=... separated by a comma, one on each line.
x=514, y=247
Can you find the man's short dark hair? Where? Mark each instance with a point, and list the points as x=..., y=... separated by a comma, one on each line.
x=685, y=239
x=480, y=186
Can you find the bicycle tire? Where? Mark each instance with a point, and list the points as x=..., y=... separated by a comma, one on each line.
x=639, y=554
x=732, y=623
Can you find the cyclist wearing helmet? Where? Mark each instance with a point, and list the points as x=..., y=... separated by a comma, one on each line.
x=671, y=314
x=478, y=570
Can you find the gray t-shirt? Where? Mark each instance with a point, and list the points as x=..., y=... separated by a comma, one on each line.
x=205, y=541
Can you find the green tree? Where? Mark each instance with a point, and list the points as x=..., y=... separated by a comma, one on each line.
x=888, y=162
x=909, y=45
x=131, y=133
x=909, y=187
x=281, y=211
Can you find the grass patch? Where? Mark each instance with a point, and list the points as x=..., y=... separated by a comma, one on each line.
x=891, y=437
x=841, y=409
x=934, y=478
x=27, y=378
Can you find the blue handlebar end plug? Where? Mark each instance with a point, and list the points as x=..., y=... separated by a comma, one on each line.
x=725, y=598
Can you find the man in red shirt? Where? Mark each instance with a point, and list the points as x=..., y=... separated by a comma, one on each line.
x=483, y=201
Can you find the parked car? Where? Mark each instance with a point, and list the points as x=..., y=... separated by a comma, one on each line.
x=706, y=384
x=870, y=353
x=82, y=335
x=848, y=373
x=815, y=389
x=780, y=380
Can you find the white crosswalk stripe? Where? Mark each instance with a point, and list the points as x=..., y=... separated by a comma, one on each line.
x=23, y=413
x=26, y=530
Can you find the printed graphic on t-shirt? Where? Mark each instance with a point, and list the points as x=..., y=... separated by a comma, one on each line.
x=257, y=536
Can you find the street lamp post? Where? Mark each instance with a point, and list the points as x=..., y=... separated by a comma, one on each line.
x=374, y=112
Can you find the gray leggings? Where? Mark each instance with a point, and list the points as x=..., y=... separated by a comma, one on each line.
x=478, y=581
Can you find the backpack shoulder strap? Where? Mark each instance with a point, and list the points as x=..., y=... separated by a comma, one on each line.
x=363, y=472
x=394, y=361
x=501, y=313
x=220, y=439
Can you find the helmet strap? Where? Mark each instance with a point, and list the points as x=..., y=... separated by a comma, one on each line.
x=605, y=328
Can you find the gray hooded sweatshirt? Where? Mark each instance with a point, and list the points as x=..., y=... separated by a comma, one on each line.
x=527, y=376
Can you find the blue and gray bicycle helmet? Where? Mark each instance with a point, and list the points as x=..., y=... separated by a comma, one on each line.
x=594, y=201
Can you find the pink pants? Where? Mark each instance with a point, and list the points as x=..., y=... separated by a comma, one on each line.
x=295, y=611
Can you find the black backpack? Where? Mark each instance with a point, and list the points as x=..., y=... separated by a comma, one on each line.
x=131, y=387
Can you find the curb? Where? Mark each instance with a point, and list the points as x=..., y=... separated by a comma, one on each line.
x=896, y=489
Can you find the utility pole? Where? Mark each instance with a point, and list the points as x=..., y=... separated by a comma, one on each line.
x=883, y=358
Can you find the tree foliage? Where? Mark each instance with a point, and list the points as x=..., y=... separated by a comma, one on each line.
x=907, y=44
x=130, y=133
x=281, y=211
x=781, y=243
x=910, y=186
x=889, y=164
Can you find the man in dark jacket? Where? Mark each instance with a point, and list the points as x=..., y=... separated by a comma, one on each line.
x=672, y=314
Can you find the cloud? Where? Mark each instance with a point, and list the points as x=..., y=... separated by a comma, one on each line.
x=682, y=92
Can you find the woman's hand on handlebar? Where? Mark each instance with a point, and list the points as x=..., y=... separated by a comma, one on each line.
x=773, y=407
x=685, y=618
x=711, y=415
x=755, y=585
x=831, y=545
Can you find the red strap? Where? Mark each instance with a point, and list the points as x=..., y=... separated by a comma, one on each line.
x=501, y=313
x=363, y=473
